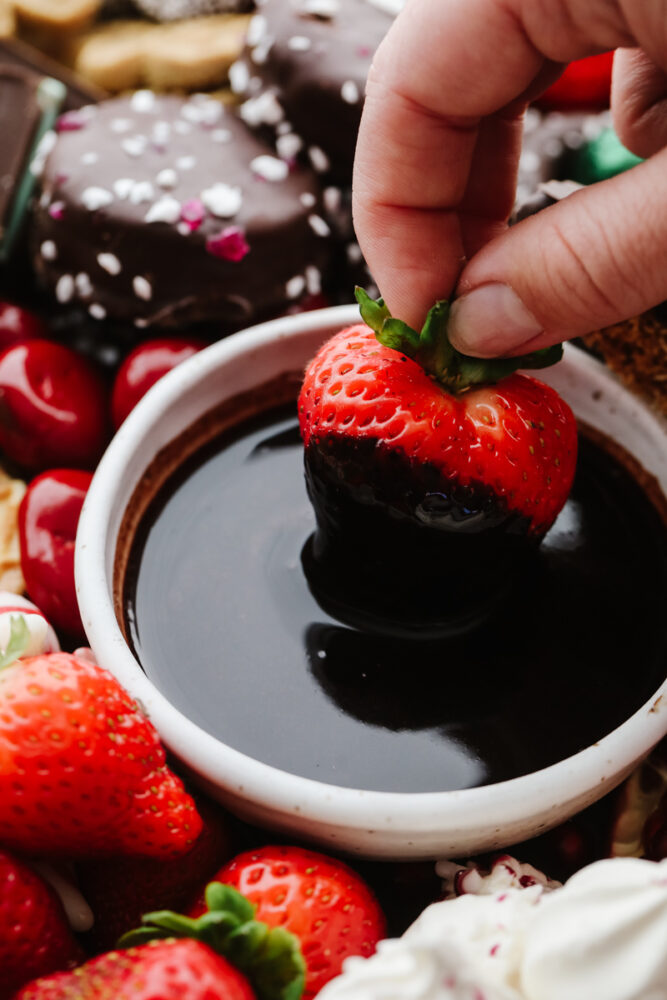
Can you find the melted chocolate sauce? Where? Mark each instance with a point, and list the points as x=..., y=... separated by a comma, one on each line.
x=224, y=622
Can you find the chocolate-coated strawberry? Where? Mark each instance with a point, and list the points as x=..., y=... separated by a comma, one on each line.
x=35, y=938
x=421, y=460
x=82, y=771
x=326, y=905
x=161, y=970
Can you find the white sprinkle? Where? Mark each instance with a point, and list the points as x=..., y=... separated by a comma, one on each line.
x=239, y=76
x=142, y=288
x=332, y=198
x=256, y=30
x=44, y=147
x=109, y=263
x=186, y=162
x=65, y=288
x=83, y=285
x=260, y=53
x=202, y=112
x=326, y=9
x=283, y=127
x=299, y=43
x=160, y=133
x=48, y=250
x=221, y=135
x=167, y=179
x=222, y=200
x=96, y=197
x=140, y=323
x=350, y=92
x=183, y=128
x=123, y=187
x=143, y=101
x=254, y=85
x=269, y=168
x=307, y=199
x=313, y=280
x=97, y=311
x=318, y=225
x=183, y=228
x=142, y=191
x=135, y=145
x=167, y=209
x=295, y=286
x=45, y=199
x=288, y=146
x=89, y=158
x=319, y=159
x=388, y=6
x=265, y=109
x=121, y=125
x=353, y=253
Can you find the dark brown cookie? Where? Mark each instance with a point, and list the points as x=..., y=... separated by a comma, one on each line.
x=162, y=211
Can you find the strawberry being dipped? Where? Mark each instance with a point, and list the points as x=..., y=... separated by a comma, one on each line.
x=326, y=905
x=82, y=771
x=432, y=474
x=35, y=938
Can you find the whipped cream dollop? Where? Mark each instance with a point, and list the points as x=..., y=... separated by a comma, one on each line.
x=505, y=872
x=603, y=936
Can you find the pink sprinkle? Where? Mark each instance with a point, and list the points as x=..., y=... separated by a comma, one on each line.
x=364, y=51
x=57, y=210
x=501, y=898
x=494, y=950
x=230, y=244
x=193, y=213
x=71, y=121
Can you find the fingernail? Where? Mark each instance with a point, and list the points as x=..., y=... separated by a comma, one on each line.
x=491, y=321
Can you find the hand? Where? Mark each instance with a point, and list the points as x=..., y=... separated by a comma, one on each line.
x=436, y=167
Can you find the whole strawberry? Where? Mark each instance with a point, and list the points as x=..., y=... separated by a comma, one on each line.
x=160, y=970
x=82, y=771
x=326, y=905
x=425, y=466
x=35, y=938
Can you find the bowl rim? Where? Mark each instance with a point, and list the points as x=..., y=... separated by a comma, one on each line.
x=501, y=804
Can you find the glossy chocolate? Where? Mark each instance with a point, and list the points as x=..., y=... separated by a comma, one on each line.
x=222, y=618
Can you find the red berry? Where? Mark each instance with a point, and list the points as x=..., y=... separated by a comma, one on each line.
x=326, y=905
x=83, y=770
x=143, y=367
x=52, y=406
x=35, y=938
x=17, y=324
x=584, y=85
x=161, y=970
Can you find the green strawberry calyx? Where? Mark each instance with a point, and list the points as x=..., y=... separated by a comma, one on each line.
x=432, y=349
x=269, y=957
x=19, y=639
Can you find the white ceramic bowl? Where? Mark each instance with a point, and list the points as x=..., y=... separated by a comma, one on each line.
x=375, y=824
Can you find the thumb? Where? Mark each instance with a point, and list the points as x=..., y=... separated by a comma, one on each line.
x=592, y=260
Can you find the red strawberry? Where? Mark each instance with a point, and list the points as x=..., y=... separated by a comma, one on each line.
x=35, y=938
x=82, y=771
x=326, y=905
x=161, y=970
x=120, y=890
x=419, y=458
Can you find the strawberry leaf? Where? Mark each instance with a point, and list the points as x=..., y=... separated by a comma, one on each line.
x=431, y=348
x=270, y=958
x=19, y=638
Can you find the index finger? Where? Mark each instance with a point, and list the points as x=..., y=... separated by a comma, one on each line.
x=443, y=68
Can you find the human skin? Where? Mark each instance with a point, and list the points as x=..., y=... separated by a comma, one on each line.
x=436, y=164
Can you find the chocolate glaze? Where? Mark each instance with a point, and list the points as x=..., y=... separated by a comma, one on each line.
x=223, y=620
x=319, y=83
x=162, y=273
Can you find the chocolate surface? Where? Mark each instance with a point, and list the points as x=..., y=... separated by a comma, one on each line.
x=306, y=63
x=163, y=211
x=224, y=622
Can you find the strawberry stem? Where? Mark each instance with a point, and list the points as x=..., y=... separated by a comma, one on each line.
x=431, y=348
x=270, y=958
x=19, y=638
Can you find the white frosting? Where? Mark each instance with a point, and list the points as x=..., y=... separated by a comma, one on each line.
x=42, y=637
x=604, y=935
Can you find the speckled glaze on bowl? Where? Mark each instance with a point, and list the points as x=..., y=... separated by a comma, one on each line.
x=373, y=824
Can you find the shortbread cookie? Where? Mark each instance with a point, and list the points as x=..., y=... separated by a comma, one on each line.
x=306, y=63
x=11, y=494
x=58, y=16
x=187, y=55
x=166, y=211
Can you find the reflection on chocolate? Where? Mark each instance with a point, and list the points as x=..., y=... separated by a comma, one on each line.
x=223, y=621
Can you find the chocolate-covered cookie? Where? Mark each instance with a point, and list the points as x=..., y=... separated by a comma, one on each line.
x=163, y=211
x=303, y=72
